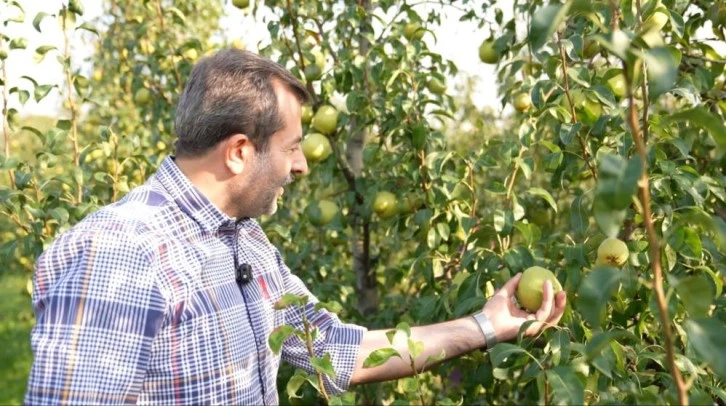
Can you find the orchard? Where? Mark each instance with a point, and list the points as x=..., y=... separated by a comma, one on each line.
x=601, y=170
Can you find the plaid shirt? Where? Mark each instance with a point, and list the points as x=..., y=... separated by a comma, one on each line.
x=138, y=303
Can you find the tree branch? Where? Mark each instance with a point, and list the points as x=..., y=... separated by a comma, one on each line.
x=653, y=242
x=6, y=125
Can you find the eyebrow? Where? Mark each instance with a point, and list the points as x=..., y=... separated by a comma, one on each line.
x=296, y=140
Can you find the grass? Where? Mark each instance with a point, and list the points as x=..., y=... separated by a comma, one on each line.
x=16, y=320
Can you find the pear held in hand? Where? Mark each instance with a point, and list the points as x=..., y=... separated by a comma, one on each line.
x=530, y=290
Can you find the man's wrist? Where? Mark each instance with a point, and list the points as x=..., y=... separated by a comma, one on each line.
x=487, y=328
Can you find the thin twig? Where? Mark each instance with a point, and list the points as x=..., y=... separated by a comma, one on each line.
x=71, y=104
x=311, y=353
x=177, y=74
x=583, y=145
x=293, y=19
x=6, y=125
x=508, y=196
x=644, y=85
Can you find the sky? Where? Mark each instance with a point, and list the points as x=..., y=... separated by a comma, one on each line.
x=236, y=24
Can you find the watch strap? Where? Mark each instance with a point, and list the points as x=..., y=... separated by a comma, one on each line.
x=486, y=328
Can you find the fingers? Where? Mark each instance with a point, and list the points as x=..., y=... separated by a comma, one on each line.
x=551, y=311
x=545, y=310
x=510, y=287
x=559, y=310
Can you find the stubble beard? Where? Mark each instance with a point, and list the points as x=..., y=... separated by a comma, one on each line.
x=265, y=194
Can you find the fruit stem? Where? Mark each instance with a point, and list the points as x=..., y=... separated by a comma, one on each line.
x=585, y=151
x=653, y=242
x=508, y=197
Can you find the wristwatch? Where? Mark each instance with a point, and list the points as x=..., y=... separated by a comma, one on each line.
x=487, y=328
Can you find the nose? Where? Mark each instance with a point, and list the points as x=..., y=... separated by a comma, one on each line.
x=300, y=165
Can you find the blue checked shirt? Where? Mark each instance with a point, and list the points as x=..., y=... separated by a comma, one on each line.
x=138, y=303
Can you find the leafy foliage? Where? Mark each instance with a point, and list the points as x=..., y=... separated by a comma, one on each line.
x=481, y=196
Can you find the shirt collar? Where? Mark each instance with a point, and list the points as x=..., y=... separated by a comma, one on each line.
x=189, y=199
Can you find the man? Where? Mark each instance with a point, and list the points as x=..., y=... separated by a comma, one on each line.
x=167, y=295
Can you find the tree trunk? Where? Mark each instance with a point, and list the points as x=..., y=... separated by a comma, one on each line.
x=366, y=285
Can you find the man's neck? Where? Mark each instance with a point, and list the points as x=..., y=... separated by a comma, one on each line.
x=209, y=178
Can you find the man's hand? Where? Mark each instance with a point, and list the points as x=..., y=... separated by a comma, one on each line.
x=507, y=318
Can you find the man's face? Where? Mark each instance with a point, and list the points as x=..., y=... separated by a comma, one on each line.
x=271, y=170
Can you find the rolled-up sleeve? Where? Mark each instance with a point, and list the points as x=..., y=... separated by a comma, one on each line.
x=98, y=308
x=340, y=340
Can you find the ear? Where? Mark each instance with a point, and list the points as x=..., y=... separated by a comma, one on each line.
x=237, y=151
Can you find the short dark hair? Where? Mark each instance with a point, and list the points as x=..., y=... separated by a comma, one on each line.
x=231, y=92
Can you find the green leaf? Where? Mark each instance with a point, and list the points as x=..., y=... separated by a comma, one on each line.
x=696, y=294
x=75, y=7
x=432, y=359
x=331, y=306
x=405, y=327
x=560, y=346
x=567, y=389
x=60, y=214
x=686, y=242
x=545, y=195
x=18, y=43
x=290, y=299
x=278, y=337
x=41, y=51
x=617, y=42
x=177, y=15
x=38, y=19
x=595, y=291
x=702, y=118
x=545, y=22
x=294, y=384
x=677, y=23
x=610, y=221
x=598, y=343
x=568, y=132
x=708, y=338
x=88, y=27
x=415, y=348
x=380, y=357
x=501, y=351
x=605, y=363
x=23, y=96
x=578, y=215
x=22, y=178
x=503, y=221
x=323, y=365
x=347, y=398
x=41, y=91
x=530, y=232
x=468, y=305
x=662, y=70
x=618, y=180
